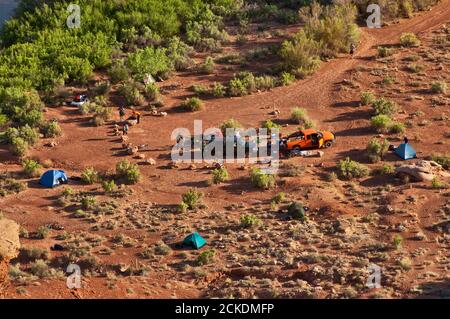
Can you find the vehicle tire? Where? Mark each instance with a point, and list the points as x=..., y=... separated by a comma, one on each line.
x=328, y=144
x=295, y=151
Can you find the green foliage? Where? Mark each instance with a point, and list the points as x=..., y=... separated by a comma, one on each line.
x=397, y=128
x=237, y=88
x=300, y=116
x=88, y=202
x=19, y=146
x=208, y=66
x=128, y=172
x=206, y=257
x=279, y=198
x=296, y=211
x=348, y=169
x=51, y=129
x=42, y=232
x=384, y=106
x=31, y=168
x=286, y=78
x=218, y=90
x=262, y=180
x=250, y=220
x=220, y=175
x=130, y=90
x=409, y=40
x=376, y=149
x=193, y=104
x=118, y=71
x=192, y=198
x=397, y=241
x=150, y=60
x=229, y=124
x=436, y=183
x=90, y=176
x=151, y=91
x=381, y=123
x=384, y=52
x=439, y=87
x=269, y=124
x=11, y=186
x=367, y=98
x=109, y=186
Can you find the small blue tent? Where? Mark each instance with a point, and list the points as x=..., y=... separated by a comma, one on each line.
x=53, y=178
x=194, y=240
x=405, y=151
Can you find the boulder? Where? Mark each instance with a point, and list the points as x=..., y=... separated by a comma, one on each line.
x=422, y=171
x=9, y=245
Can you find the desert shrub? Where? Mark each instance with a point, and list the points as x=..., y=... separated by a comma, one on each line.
x=397, y=128
x=300, y=116
x=151, y=60
x=376, y=149
x=51, y=129
x=31, y=168
x=261, y=180
x=237, y=88
x=250, y=220
x=405, y=263
x=40, y=269
x=200, y=89
x=367, y=98
x=151, y=91
x=88, y=202
x=279, y=198
x=109, y=186
x=118, y=72
x=193, y=104
x=291, y=169
x=439, y=87
x=348, y=169
x=161, y=248
x=230, y=124
x=397, y=241
x=206, y=257
x=296, y=211
x=269, y=124
x=27, y=133
x=381, y=123
x=90, y=176
x=384, y=106
x=34, y=253
x=128, y=172
x=265, y=82
x=415, y=68
x=286, y=78
x=436, y=183
x=101, y=88
x=443, y=160
x=220, y=175
x=19, y=146
x=101, y=115
x=178, y=52
x=130, y=91
x=11, y=186
x=388, y=80
x=218, y=90
x=192, y=198
x=386, y=169
x=208, y=66
x=182, y=207
x=384, y=52
x=42, y=232
x=409, y=40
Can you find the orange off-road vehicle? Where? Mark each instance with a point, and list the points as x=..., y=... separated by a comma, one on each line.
x=308, y=139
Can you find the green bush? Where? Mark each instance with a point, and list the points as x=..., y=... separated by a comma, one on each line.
x=31, y=168
x=384, y=106
x=367, y=98
x=109, y=186
x=230, y=124
x=128, y=172
x=19, y=146
x=279, y=198
x=409, y=40
x=220, y=175
x=218, y=90
x=265, y=82
x=296, y=211
x=118, y=72
x=397, y=241
x=384, y=52
x=436, y=183
x=151, y=91
x=439, y=87
x=206, y=257
x=192, y=198
x=150, y=60
x=300, y=116
x=42, y=232
x=269, y=124
x=193, y=104
x=262, y=180
x=88, y=202
x=208, y=66
x=90, y=176
x=51, y=129
x=131, y=93
x=237, y=88
x=376, y=149
x=382, y=123
x=348, y=169
x=249, y=221
x=286, y=78
x=397, y=128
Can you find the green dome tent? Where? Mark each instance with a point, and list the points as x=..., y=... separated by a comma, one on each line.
x=194, y=240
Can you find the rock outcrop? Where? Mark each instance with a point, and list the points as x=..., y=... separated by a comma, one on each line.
x=9, y=246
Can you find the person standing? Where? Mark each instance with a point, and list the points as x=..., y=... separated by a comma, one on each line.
x=125, y=129
x=405, y=140
x=121, y=113
x=352, y=49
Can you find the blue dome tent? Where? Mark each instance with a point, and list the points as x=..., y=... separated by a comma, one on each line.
x=53, y=178
x=405, y=151
x=194, y=240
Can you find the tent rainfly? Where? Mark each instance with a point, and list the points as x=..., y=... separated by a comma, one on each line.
x=53, y=178
x=405, y=151
x=194, y=240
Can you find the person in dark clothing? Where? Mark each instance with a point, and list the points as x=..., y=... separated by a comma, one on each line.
x=122, y=113
x=352, y=49
x=405, y=140
x=125, y=129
